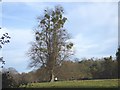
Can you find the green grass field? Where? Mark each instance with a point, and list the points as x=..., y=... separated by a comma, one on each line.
x=104, y=83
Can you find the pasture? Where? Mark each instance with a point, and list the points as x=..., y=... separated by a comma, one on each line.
x=101, y=83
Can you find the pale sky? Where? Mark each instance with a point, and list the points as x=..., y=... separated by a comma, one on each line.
x=92, y=25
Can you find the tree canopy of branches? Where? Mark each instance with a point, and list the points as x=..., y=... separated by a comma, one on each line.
x=52, y=45
x=4, y=39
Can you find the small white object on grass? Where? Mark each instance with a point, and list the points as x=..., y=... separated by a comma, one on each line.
x=56, y=79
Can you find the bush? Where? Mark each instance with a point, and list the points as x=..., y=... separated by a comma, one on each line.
x=8, y=81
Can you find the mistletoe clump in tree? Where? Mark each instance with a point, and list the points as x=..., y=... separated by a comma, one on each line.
x=52, y=44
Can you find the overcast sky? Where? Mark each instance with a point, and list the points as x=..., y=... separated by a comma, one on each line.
x=92, y=25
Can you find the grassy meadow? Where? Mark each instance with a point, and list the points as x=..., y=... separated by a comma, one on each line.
x=101, y=83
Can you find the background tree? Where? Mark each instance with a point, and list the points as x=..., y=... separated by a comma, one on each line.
x=52, y=44
x=118, y=54
x=9, y=78
x=118, y=60
x=108, y=64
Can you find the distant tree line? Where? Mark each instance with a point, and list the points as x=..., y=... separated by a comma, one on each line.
x=104, y=68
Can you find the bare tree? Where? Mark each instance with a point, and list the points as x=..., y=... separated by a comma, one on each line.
x=52, y=44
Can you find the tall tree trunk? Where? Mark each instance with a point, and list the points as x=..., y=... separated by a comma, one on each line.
x=52, y=76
